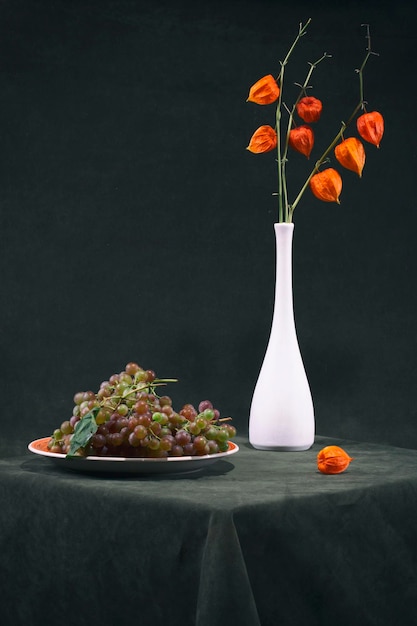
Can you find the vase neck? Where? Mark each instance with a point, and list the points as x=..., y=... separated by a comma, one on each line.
x=283, y=308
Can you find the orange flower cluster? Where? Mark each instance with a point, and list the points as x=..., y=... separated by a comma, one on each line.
x=349, y=152
x=301, y=138
x=264, y=91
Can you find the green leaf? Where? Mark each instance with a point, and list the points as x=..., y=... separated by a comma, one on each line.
x=84, y=430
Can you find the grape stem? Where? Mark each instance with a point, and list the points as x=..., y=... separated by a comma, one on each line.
x=158, y=382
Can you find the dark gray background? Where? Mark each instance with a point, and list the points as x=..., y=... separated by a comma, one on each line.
x=135, y=225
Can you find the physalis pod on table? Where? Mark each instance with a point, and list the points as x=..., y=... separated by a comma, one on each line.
x=333, y=460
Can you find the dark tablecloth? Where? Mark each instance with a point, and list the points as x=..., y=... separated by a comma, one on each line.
x=261, y=538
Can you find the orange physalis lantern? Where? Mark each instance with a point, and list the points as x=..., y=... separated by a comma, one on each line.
x=301, y=139
x=264, y=91
x=327, y=185
x=351, y=154
x=309, y=109
x=263, y=140
x=333, y=460
x=371, y=127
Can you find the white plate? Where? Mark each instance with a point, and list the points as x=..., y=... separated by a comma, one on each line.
x=123, y=465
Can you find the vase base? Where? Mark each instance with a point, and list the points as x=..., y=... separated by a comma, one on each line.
x=282, y=448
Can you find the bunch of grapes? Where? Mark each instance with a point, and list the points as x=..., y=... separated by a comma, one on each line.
x=127, y=418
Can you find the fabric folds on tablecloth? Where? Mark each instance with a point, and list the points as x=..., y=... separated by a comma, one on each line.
x=259, y=539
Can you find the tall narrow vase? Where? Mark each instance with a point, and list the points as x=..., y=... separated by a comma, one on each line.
x=282, y=413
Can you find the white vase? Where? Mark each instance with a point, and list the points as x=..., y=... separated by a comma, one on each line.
x=282, y=413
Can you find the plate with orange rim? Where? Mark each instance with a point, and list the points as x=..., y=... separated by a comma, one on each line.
x=130, y=465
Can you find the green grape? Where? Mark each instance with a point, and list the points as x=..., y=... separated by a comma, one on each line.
x=111, y=402
x=211, y=433
x=201, y=422
x=122, y=409
x=223, y=446
x=66, y=428
x=140, y=376
x=124, y=377
x=194, y=428
x=58, y=434
x=159, y=417
x=121, y=388
x=102, y=416
x=222, y=435
x=209, y=414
